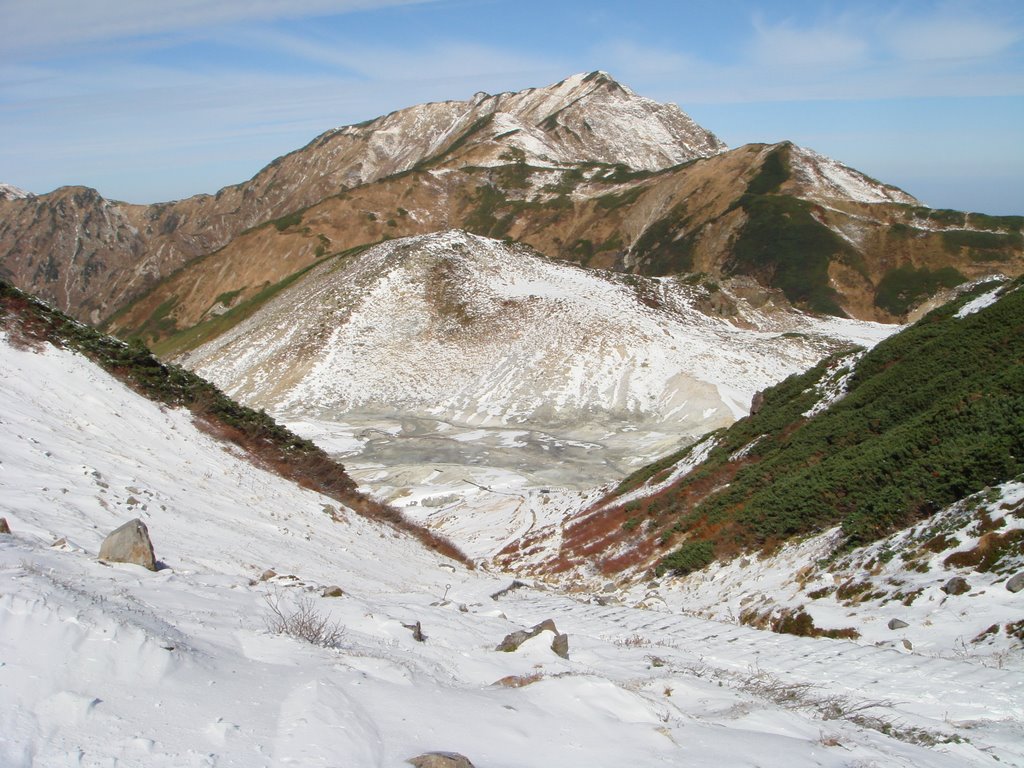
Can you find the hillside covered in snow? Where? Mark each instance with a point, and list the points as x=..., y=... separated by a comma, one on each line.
x=104, y=663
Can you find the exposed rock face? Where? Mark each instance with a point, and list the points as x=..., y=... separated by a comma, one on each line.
x=129, y=544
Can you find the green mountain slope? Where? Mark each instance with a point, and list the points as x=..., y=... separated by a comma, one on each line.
x=929, y=416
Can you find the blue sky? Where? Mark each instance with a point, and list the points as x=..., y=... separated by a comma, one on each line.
x=151, y=101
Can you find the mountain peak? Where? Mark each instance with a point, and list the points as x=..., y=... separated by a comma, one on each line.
x=11, y=192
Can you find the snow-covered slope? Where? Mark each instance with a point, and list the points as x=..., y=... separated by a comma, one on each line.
x=466, y=329
x=822, y=178
x=106, y=664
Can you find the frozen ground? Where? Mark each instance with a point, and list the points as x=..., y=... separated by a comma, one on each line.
x=105, y=665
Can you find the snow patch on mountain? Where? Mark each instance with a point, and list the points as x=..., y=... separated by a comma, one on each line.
x=11, y=192
x=826, y=178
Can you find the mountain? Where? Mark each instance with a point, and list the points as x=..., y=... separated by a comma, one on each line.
x=583, y=170
x=111, y=663
x=90, y=256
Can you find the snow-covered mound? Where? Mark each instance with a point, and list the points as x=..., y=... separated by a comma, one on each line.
x=473, y=331
x=104, y=664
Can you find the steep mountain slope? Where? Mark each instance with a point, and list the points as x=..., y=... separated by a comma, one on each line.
x=873, y=442
x=29, y=323
x=90, y=256
x=107, y=663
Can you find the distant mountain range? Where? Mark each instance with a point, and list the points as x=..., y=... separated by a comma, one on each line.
x=584, y=170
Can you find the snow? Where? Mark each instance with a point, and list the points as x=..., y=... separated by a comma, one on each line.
x=104, y=664
x=977, y=304
x=11, y=192
x=827, y=178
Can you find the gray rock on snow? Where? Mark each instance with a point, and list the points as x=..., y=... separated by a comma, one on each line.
x=129, y=544
x=1016, y=583
x=513, y=640
x=560, y=645
x=897, y=624
x=440, y=760
x=956, y=586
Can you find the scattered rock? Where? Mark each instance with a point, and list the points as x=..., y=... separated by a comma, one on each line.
x=897, y=624
x=1016, y=583
x=463, y=608
x=332, y=591
x=4, y=527
x=417, y=632
x=608, y=588
x=560, y=645
x=440, y=760
x=907, y=644
x=516, y=584
x=513, y=640
x=956, y=586
x=267, y=575
x=129, y=544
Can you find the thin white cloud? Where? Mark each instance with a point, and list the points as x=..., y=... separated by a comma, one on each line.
x=950, y=37
x=785, y=45
x=38, y=28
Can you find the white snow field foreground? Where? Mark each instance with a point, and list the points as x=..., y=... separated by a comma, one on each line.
x=114, y=665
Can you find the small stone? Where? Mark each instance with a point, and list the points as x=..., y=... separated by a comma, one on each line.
x=908, y=645
x=463, y=608
x=560, y=645
x=897, y=624
x=129, y=544
x=956, y=586
x=440, y=760
x=4, y=527
x=1016, y=583
x=333, y=591
x=267, y=575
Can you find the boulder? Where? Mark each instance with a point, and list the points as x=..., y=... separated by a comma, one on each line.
x=332, y=591
x=440, y=760
x=4, y=527
x=560, y=645
x=129, y=544
x=513, y=640
x=1016, y=583
x=956, y=586
x=897, y=624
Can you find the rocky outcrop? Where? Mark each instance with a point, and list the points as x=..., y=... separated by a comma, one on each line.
x=129, y=544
